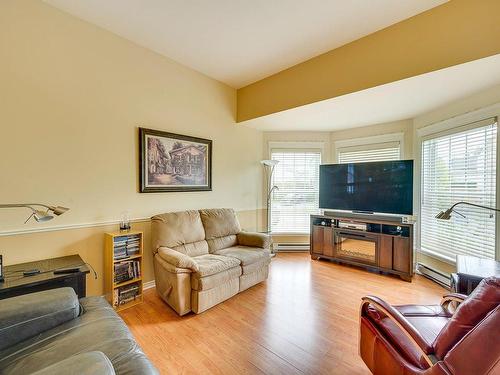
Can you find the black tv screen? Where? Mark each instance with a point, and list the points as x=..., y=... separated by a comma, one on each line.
x=384, y=187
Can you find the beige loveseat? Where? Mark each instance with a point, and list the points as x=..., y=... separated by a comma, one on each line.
x=202, y=258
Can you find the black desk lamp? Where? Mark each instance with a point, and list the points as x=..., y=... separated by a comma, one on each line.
x=446, y=215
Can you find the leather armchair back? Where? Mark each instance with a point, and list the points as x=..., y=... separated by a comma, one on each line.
x=478, y=352
x=484, y=299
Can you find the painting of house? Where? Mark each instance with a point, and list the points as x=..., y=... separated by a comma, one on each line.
x=172, y=162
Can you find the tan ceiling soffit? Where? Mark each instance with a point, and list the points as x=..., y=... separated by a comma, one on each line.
x=454, y=33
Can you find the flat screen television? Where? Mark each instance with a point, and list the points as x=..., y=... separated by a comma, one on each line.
x=382, y=187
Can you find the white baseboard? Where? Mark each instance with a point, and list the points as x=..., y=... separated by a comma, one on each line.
x=434, y=275
x=291, y=247
x=149, y=284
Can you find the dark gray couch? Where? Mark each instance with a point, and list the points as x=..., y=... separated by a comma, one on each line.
x=52, y=332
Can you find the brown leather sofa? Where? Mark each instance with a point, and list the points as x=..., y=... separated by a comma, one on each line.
x=434, y=340
x=202, y=258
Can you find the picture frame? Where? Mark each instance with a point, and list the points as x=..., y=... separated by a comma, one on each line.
x=172, y=162
x=1, y=269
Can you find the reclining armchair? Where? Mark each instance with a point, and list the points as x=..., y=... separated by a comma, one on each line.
x=434, y=340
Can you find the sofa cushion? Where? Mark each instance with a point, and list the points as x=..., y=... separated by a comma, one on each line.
x=193, y=249
x=211, y=264
x=423, y=310
x=28, y=315
x=219, y=243
x=219, y=222
x=247, y=255
x=90, y=363
x=208, y=282
x=175, y=229
x=254, y=267
x=99, y=328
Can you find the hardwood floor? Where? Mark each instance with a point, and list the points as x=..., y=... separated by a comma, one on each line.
x=303, y=320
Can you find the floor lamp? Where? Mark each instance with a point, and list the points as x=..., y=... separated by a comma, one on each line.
x=269, y=166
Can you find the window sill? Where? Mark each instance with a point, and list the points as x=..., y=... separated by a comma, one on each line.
x=451, y=262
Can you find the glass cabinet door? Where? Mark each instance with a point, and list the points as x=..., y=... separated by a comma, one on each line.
x=357, y=247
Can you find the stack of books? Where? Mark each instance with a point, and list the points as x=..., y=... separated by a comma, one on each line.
x=126, y=294
x=125, y=271
x=133, y=244
x=120, y=247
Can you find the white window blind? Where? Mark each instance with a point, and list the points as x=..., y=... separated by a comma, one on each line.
x=373, y=152
x=297, y=178
x=459, y=167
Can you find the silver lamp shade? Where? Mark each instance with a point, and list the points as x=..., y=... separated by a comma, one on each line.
x=41, y=216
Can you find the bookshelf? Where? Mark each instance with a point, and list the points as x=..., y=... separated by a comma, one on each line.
x=123, y=264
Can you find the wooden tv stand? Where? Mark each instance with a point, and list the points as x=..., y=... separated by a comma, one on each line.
x=380, y=245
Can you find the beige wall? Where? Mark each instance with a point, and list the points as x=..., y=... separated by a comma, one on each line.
x=72, y=96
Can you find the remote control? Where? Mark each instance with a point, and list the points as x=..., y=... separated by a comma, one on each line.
x=31, y=272
x=67, y=270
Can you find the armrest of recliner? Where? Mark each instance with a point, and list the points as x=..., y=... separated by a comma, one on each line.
x=453, y=297
x=177, y=259
x=254, y=239
x=28, y=315
x=406, y=327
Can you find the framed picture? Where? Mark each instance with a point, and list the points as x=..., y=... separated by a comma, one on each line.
x=174, y=162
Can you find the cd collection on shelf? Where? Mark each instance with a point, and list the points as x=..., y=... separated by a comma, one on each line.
x=126, y=246
x=127, y=270
x=123, y=264
x=126, y=294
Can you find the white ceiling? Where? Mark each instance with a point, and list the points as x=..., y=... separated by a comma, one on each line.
x=395, y=101
x=241, y=41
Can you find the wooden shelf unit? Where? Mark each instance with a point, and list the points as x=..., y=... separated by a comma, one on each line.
x=385, y=246
x=109, y=268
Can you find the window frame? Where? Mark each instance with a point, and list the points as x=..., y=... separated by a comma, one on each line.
x=445, y=127
x=293, y=146
x=367, y=143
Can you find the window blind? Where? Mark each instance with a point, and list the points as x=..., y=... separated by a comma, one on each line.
x=297, y=178
x=459, y=167
x=373, y=152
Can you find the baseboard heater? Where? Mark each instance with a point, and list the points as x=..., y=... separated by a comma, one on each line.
x=434, y=275
x=291, y=247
